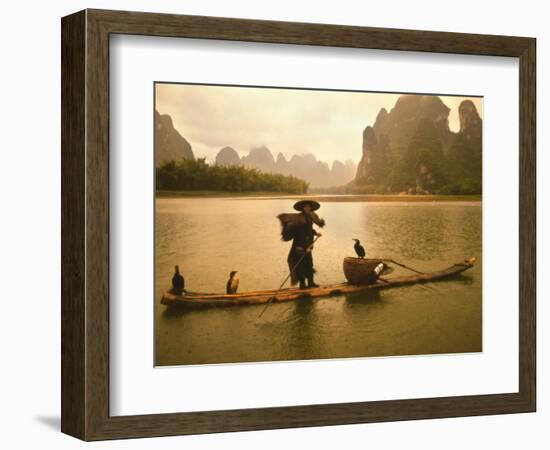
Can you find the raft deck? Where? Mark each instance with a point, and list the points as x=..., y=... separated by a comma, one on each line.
x=199, y=300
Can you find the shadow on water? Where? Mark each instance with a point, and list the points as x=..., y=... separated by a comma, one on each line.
x=302, y=332
x=464, y=279
x=175, y=312
x=363, y=298
x=363, y=302
x=304, y=306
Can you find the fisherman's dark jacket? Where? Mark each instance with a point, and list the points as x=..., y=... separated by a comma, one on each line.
x=299, y=228
x=304, y=234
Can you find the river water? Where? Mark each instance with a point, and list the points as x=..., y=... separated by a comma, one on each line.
x=209, y=237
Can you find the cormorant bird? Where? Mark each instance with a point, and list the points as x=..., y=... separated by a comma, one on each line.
x=359, y=249
x=178, y=283
x=232, y=283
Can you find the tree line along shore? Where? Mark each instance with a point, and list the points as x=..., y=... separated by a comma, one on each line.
x=198, y=175
x=196, y=178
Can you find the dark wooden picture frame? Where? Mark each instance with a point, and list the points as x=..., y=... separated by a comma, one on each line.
x=85, y=224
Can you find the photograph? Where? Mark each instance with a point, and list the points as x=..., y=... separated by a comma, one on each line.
x=297, y=224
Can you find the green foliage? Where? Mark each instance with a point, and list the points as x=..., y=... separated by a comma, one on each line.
x=425, y=149
x=424, y=162
x=465, y=163
x=197, y=175
x=466, y=187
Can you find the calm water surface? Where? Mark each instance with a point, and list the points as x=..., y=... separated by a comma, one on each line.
x=209, y=237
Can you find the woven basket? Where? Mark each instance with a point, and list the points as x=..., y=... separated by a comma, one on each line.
x=360, y=271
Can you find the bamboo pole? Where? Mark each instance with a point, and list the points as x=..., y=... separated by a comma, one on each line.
x=289, y=274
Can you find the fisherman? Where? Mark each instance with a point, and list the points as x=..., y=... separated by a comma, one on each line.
x=299, y=229
x=178, y=283
x=233, y=283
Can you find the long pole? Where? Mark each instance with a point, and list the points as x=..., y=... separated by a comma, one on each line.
x=289, y=274
x=403, y=265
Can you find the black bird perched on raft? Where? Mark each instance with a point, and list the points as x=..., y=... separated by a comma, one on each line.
x=359, y=249
x=178, y=282
x=232, y=283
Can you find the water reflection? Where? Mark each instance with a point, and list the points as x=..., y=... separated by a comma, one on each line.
x=210, y=237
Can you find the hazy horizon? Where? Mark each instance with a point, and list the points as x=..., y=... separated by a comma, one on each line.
x=327, y=124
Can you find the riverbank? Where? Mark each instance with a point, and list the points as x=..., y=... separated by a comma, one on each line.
x=388, y=198
x=220, y=194
x=324, y=197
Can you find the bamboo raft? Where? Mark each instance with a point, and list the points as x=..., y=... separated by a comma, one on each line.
x=200, y=300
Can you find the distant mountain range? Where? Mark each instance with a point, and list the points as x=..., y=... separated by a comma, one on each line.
x=306, y=166
x=169, y=143
x=410, y=149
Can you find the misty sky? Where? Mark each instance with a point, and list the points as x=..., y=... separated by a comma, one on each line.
x=327, y=124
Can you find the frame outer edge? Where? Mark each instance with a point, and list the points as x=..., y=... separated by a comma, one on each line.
x=85, y=189
x=527, y=232
x=73, y=225
x=307, y=33
x=96, y=201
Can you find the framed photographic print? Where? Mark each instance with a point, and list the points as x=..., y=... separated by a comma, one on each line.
x=271, y=224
